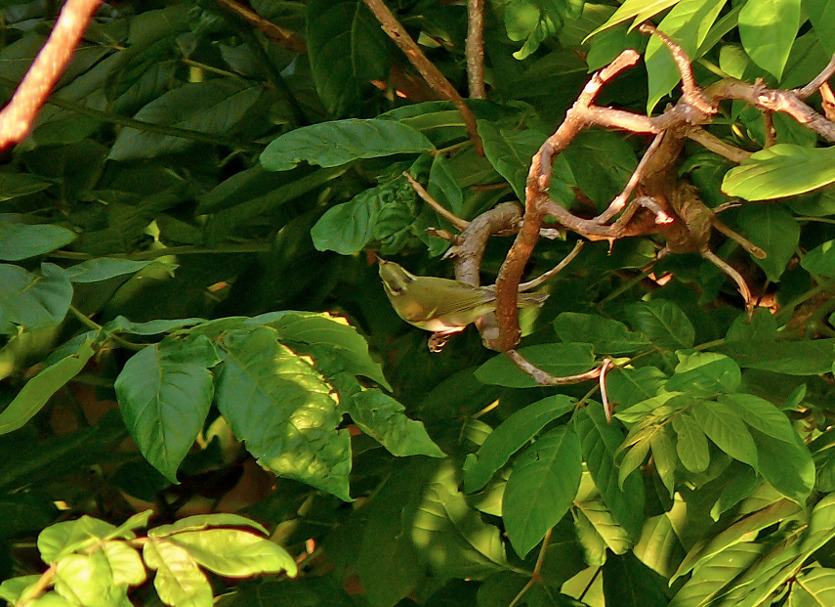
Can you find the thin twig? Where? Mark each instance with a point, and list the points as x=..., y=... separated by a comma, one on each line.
x=279, y=35
x=544, y=378
x=604, y=393
x=532, y=284
x=536, y=574
x=432, y=75
x=819, y=80
x=770, y=131
x=17, y=117
x=451, y=217
x=475, y=48
x=620, y=200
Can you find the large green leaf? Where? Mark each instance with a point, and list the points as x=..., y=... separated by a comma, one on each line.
x=600, y=442
x=607, y=336
x=32, y=301
x=212, y=106
x=381, y=417
x=726, y=430
x=103, y=268
x=813, y=586
x=346, y=49
x=21, y=241
x=13, y=185
x=333, y=143
x=787, y=466
x=639, y=10
x=663, y=322
x=234, y=552
x=541, y=487
x=178, y=580
x=38, y=390
x=164, y=393
x=276, y=402
x=709, y=579
x=556, y=359
x=767, y=29
x=510, y=436
x=704, y=375
x=510, y=152
x=601, y=163
x=66, y=537
x=691, y=443
x=775, y=230
x=790, y=357
x=779, y=171
x=822, y=15
x=820, y=260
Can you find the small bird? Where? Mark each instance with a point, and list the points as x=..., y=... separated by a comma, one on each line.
x=441, y=305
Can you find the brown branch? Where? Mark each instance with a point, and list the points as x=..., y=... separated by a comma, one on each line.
x=475, y=48
x=451, y=217
x=717, y=146
x=532, y=284
x=432, y=75
x=279, y=35
x=17, y=117
x=770, y=131
x=819, y=80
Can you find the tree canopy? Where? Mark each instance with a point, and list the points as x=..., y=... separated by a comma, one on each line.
x=207, y=397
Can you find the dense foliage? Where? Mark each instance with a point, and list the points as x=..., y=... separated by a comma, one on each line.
x=193, y=323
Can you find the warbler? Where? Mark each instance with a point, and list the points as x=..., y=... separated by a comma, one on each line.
x=441, y=305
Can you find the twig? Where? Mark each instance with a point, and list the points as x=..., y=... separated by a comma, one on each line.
x=475, y=48
x=532, y=284
x=536, y=574
x=717, y=146
x=729, y=270
x=279, y=35
x=432, y=75
x=770, y=131
x=819, y=81
x=451, y=217
x=17, y=117
x=546, y=379
x=604, y=393
x=620, y=200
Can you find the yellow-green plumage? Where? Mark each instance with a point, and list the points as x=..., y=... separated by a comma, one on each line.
x=441, y=305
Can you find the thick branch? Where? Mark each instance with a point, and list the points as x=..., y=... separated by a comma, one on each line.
x=427, y=69
x=17, y=117
x=279, y=35
x=475, y=48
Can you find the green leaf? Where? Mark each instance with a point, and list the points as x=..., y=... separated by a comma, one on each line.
x=780, y=171
x=704, y=375
x=820, y=260
x=213, y=106
x=103, y=268
x=607, y=336
x=664, y=457
x=22, y=241
x=596, y=528
x=556, y=359
x=600, y=442
x=199, y=522
x=726, y=431
x=629, y=387
x=789, y=357
x=165, y=392
x=85, y=579
x=760, y=414
x=330, y=144
x=235, y=553
x=510, y=152
x=30, y=301
x=179, y=581
x=761, y=327
x=822, y=17
x=541, y=488
x=14, y=185
x=276, y=402
x=443, y=186
x=381, y=417
x=712, y=576
x=536, y=20
x=333, y=333
x=346, y=49
x=775, y=230
x=787, y=466
x=152, y=327
x=663, y=322
x=691, y=443
x=627, y=582
x=61, y=539
x=38, y=390
x=813, y=586
x=767, y=29
x=510, y=436
x=124, y=563
x=688, y=23
x=639, y=10
x=450, y=535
